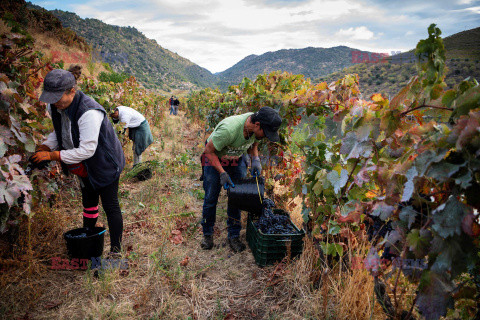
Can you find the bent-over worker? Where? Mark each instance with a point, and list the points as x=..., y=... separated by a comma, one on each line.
x=224, y=163
x=138, y=129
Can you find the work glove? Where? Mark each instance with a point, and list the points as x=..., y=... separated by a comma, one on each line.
x=247, y=159
x=78, y=169
x=225, y=181
x=43, y=147
x=37, y=165
x=46, y=156
x=256, y=167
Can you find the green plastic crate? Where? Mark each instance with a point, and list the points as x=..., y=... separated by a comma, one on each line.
x=270, y=248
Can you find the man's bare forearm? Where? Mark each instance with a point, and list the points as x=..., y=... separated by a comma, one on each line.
x=214, y=161
x=253, y=150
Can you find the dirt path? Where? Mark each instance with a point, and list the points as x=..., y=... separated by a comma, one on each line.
x=169, y=276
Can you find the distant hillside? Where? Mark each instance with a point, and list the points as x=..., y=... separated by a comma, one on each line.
x=463, y=58
x=44, y=33
x=40, y=21
x=311, y=62
x=464, y=45
x=128, y=50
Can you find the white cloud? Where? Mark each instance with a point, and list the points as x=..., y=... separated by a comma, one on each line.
x=465, y=1
x=228, y=30
x=474, y=9
x=216, y=34
x=358, y=33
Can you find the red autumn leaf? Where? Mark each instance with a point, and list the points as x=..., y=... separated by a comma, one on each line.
x=176, y=237
x=353, y=216
x=475, y=229
x=52, y=304
x=467, y=224
x=229, y=317
x=185, y=261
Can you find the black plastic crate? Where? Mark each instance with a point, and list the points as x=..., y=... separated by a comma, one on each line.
x=270, y=248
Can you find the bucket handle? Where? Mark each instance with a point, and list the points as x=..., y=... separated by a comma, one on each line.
x=258, y=188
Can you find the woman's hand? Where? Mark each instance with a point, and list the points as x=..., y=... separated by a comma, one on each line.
x=46, y=155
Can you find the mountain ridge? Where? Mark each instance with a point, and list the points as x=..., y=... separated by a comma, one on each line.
x=128, y=50
x=463, y=58
x=312, y=62
x=132, y=52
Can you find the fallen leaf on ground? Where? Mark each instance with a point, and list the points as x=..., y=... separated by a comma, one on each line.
x=185, y=261
x=176, y=237
x=52, y=304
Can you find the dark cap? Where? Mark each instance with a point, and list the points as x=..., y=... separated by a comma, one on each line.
x=270, y=121
x=56, y=82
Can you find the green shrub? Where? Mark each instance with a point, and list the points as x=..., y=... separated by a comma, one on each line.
x=107, y=67
x=113, y=77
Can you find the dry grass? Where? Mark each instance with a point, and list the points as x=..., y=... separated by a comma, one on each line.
x=174, y=281
x=4, y=29
x=68, y=54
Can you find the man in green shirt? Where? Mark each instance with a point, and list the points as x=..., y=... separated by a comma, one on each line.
x=224, y=163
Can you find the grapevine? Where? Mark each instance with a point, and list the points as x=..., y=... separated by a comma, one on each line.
x=407, y=170
x=22, y=126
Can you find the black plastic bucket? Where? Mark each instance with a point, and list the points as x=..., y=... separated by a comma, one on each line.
x=85, y=245
x=145, y=174
x=245, y=195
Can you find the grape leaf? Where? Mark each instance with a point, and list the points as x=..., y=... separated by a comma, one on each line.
x=392, y=237
x=467, y=224
x=354, y=148
x=9, y=193
x=408, y=215
x=3, y=147
x=334, y=229
x=417, y=243
x=338, y=181
x=464, y=181
x=363, y=176
x=467, y=101
x=382, y=210
x=425, y=159
x=27, y=203
x=306, y=214
x=332, y=249
x=16, y=129
x=434, y=295
x=443, y=262
x=448, y=97
x=443, y=170
x=7, y=135
x=448, y=217
x=465, y=130
x=409, y=186
x=348, y=143
x=372, y=261
x=362, y=133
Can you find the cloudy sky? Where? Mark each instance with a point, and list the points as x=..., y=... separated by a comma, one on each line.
x=216, y=34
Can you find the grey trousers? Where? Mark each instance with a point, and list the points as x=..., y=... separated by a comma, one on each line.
x=136, y=158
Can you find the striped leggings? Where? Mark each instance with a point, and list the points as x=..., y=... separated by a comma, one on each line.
x=111, y=206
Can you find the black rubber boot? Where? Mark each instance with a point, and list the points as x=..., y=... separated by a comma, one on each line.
x=236, y=245
x=207, y=242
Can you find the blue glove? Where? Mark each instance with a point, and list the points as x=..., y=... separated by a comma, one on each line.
x=225, y=181
x=256, y=167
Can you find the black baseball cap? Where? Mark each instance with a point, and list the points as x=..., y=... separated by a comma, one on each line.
x=270, y=121
x=56, y=82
